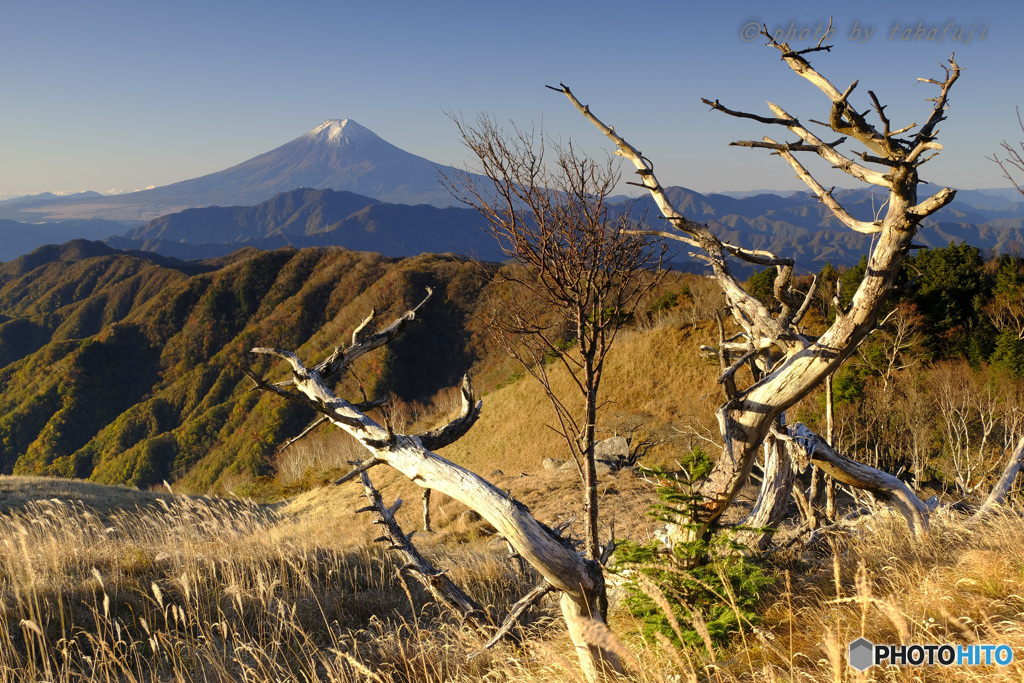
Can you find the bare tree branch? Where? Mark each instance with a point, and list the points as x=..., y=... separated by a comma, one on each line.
x=340, y=360
x=436, y=582
x=743, y=305
x=830, y=155
x=449, y=433
x=359, y=469
x=997, y=496
x=881, y=484
x=744, y=115
x=1014, y=158
x=523, y=604
x=826, y=198
x=783, y=146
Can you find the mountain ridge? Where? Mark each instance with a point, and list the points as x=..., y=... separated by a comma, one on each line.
x=124, y=368
x=797, y=226
x=281, y=198
x=315, y=218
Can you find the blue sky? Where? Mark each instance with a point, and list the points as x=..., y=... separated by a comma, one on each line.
x=117, y=95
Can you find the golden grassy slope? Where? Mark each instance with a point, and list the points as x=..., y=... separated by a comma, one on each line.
x=193, y=589
x=17, y=492
x=654, y=378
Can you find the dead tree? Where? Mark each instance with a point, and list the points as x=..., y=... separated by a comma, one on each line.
x=583, y=274
x=786, y=363
x=883, y=485
x=580, y=580
x=997, y=496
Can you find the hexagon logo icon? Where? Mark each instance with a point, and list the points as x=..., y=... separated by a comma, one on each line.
x=862, y=654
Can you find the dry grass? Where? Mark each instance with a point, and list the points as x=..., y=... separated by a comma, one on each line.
x=200, y=589
x=645, y=370
x=319, y=453
x=961, y=586
x=16, y=492
x=212, y=590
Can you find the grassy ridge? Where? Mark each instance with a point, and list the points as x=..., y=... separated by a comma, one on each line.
x=184, y=589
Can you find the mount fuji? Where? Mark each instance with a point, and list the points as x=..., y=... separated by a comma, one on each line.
x=339, y=154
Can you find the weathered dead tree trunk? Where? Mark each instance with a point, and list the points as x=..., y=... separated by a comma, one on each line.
x=816, y=492
x=882, y=485
x=798, y=362
x=830, y=439
x=580, y=580
x=426, y=510
x=998, y=494
x=773, y=497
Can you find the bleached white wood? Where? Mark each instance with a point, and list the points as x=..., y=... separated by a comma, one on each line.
x=1001, y=489
x=792, y=364
x=580, y=580
x=882, y=484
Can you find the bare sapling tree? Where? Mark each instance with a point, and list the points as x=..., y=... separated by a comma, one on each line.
x=582, y=274
x=1013, y=163
x=785, y=362
x=901, y=338
x=580, y=580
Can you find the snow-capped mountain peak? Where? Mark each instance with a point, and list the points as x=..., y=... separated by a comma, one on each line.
x=341, y=131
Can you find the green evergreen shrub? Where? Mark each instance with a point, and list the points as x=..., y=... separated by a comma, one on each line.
x=712, y=587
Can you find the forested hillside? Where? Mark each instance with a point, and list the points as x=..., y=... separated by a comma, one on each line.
x=125, y=369
x=314, y=218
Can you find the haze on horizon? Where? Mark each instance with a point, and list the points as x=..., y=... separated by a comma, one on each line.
x=122, y=96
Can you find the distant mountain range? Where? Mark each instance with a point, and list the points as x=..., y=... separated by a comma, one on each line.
x=314, y=218
x=342, y=185
x=798, y=225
